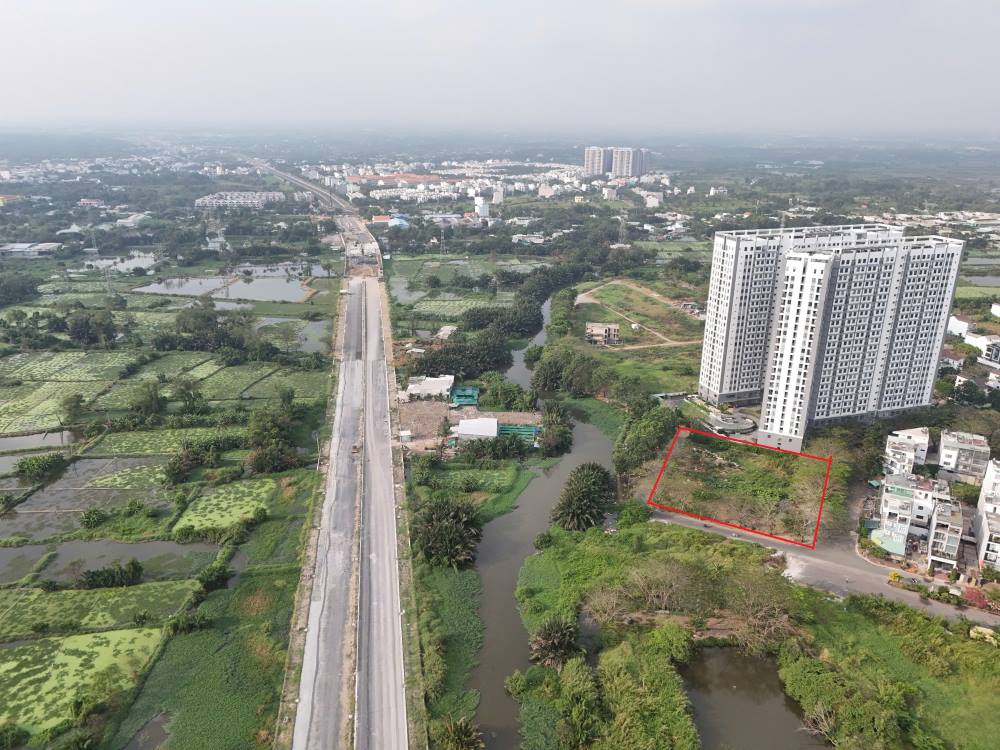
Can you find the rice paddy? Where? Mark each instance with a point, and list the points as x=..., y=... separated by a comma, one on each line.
x=225, y=506
x=40, y=680
x=155, y=442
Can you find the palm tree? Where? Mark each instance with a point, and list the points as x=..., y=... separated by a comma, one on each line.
x=187, y=390
x=588, y=491
x=554, y=643
x=460, y=735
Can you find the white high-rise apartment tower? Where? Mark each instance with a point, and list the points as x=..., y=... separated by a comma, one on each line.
x=596, y=160
x=825, y=323
x=628, y=162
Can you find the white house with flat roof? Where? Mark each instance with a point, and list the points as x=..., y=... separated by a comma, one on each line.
x=987, y=521
x=908, y=502
x=428, y=387
x=945, y=535
x=905, y=449
x=964, y=454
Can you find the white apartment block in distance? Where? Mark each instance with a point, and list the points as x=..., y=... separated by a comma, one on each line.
x=596, y=161
x=825, y=323
x=628, y=162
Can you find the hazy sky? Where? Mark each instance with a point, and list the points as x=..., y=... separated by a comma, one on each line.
x=571, y=66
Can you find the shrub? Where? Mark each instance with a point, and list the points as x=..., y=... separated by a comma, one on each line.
x=588, y=492
x=37, y=468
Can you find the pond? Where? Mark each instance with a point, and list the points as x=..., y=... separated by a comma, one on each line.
x=194, y=286
x=124, y=264
x=264, y=289
x=738, y=702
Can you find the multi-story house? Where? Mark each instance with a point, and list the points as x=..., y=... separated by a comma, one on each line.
x=965, y=455
x=987, y=521
x=908, y=502
x=905, y=449
x=944, y=540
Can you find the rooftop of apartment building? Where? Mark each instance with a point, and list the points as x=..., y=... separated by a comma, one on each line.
x=883, y=232
x=964, y=440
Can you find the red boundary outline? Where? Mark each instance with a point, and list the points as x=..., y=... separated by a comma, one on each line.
x=826, y=480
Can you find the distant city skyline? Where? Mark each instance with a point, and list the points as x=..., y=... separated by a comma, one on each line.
x=705, y=66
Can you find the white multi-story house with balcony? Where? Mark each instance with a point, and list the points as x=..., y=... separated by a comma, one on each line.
x=908, y=502
x=965, y=455
x=987, y=522
x=825, y=323
x=905, y=449
x=944, y=537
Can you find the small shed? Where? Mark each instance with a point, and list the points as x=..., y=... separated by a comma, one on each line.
x=465, y=395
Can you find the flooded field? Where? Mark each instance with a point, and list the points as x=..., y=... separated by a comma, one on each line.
x=193, y=286
x=37, y=440
x=87, y=483
x=120, y=263
x=160, y=560
x=264, y=289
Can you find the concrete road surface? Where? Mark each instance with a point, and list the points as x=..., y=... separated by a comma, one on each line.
x=320, y=717
x=381, y=705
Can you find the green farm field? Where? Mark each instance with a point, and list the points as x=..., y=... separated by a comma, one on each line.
x=90, y=609
x=225, y=506
x=155, y=442
x=40, y=680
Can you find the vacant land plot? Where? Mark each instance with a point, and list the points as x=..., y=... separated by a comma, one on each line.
x=225, y=506
x=40, y=681
x=757, y=488
x=660, y=369
x=90, y=609
x=658, y=315
x=156, y=442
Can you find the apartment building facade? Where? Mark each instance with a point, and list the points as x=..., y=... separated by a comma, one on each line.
x=825, y=323
x=596, y=161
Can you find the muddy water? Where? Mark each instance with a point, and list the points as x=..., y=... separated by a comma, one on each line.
x=738, y=703
x=518, y=373
x=507, y=541
x=160, y=559
x=38, y=440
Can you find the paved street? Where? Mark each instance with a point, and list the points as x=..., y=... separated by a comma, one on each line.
x=381, y=707
x=320, y=718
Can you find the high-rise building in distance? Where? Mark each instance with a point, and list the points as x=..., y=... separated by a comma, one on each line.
x=596, y=160
x=825, y=323
x=628, y=162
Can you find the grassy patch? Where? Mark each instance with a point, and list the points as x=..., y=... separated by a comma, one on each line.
x=653, y=313
x=448, y=601
x=230, y=382
x=90, y=609
x=221, y=685
x=605, y=417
